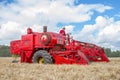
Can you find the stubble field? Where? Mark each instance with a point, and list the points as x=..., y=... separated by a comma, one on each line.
x=25, y=71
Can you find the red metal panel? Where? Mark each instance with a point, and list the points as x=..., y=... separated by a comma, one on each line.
x=27, y=42
x=26, y=56
x=15, y=46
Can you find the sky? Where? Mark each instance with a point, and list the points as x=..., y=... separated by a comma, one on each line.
x=92, y=21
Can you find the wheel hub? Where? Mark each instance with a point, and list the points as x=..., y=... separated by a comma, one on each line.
x=41, y=60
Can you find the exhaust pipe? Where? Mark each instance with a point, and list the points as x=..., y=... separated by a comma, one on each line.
x=44, y=28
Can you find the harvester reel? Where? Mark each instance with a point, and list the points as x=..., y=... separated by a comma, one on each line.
x=42, y=57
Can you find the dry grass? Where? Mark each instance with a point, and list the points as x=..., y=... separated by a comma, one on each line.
x=94, y=71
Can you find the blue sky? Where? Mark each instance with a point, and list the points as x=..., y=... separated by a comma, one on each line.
x=111, y=13
x=93, y=21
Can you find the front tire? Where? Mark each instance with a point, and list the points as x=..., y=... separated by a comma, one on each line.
x=42, y=57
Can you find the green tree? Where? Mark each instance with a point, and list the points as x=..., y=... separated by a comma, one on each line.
x=4, y=51
x=110, y=53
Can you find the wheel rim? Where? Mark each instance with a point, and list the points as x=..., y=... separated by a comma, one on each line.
x=41, y=60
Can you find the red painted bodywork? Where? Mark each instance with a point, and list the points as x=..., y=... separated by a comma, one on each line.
x=63, y=50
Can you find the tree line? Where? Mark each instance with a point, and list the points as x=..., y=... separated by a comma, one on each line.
x=5, y=52
x=110, y=53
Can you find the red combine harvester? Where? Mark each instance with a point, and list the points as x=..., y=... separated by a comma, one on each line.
x=49, y=48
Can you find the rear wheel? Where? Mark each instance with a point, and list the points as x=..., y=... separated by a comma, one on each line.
x=42, y=57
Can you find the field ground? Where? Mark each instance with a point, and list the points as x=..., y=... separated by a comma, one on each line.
x=25, y=71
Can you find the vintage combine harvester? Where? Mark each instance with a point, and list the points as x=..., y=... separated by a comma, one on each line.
x=49, y=47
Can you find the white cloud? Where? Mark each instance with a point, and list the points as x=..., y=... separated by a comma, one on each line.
x=16, y=17
x=105, y=32
x=69, y=28
x=46, y=11
x=10, y=30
